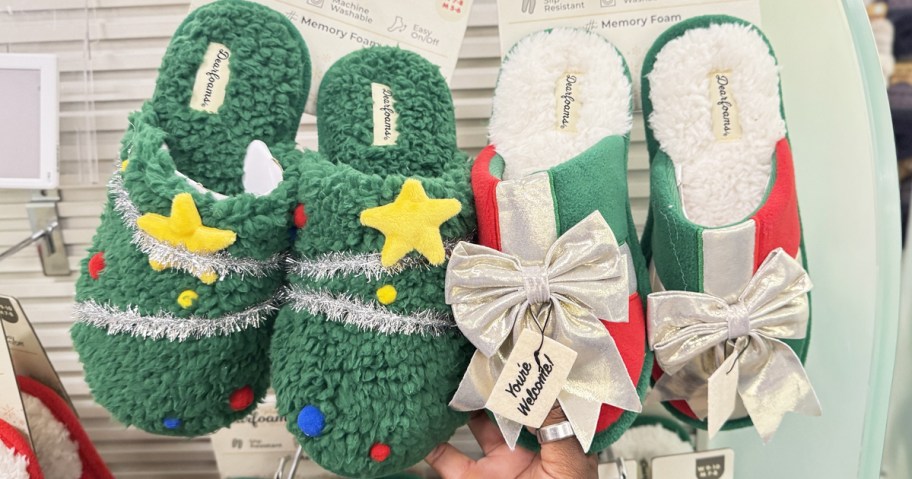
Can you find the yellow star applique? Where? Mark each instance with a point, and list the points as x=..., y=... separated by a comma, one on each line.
x=185, y=228
x=411, y=223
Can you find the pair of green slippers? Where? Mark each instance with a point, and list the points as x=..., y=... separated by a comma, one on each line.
x=228, y=260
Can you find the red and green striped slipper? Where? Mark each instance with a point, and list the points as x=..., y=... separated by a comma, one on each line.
x=723, y=236
x=560, y=133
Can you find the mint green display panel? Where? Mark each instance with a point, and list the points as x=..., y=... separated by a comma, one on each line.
x=841, y=134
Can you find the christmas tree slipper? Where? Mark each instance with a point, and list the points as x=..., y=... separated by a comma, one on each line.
x=177, y=294
x=366, y=355
x=17, y=459
x=730, y=321
x=551, y=198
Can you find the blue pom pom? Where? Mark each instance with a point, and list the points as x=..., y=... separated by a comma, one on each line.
x=311, y=421
x=172, y=422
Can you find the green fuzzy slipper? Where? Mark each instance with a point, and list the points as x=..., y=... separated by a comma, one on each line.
x=176, y=297
x=366, y=355
x=724, y=234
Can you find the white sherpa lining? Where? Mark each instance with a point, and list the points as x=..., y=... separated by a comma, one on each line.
x=524, y=121
x=12, y=465
x=57, y=453
x=646, y=442
x=721, y=182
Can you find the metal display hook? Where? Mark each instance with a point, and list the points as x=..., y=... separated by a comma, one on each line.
x=42, y=213
x=280, y=472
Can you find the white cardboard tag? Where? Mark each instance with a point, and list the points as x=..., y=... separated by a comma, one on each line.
x=333, y=28
x=715, y=464
x=525, y=391
x=254, y=446
x=631, y=25
x=21, y=353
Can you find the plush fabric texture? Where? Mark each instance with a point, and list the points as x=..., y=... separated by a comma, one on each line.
x=184, y=386
x=673, y=237
x=62, y=426
x=528, y=95
x=265, y=94
x=58, y=454
x=587, y=168
x=381, y=396
x=17, y=460
x=642, y=443
x=721, y=182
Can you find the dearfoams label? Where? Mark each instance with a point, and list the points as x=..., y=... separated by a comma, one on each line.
x=568, y=101
x=530, y=383
x=726, y=122
x=211, y=79
x=385, y=116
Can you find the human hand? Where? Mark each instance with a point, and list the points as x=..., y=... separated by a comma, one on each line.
x=557, y=460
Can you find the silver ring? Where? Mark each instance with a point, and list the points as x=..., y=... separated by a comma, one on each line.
x=555, y=432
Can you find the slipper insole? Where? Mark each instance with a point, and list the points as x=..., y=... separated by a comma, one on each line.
x=716, y=113
x=234, y=72
x=387, y=111
x=559, y=92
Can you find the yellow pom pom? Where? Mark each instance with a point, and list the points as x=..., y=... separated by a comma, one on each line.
x=386, y=294
x=157, y=266
x=123, y=165
x=187, y=298
x=208, y=277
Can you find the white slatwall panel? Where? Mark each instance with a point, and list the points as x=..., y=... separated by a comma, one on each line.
x=127, y=39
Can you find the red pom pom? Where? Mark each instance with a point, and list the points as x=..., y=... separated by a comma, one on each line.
x=300, y=217
x=241, y=398
x=96, y=264
x=379, y=452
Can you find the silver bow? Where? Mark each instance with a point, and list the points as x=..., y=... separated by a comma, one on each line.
x=583, y=278
x=691, y=333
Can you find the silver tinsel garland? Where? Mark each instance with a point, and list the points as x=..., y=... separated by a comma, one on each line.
x=363, y=264
x=365, y=316
x=167, y=326
x=220, y=263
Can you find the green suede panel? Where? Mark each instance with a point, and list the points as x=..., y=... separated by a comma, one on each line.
x=677, y=244
x=143, y=381
x=373, y=387
x=670, y=241
x=265, y=94
x=595, y=180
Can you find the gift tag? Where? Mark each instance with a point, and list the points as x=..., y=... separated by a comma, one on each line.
x=530, y=382
x=715, y=464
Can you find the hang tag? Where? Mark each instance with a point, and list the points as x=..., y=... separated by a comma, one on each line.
x=21, y=354
x=715, y=464
x=631, y=25
x=723, y=393
x=527, y=389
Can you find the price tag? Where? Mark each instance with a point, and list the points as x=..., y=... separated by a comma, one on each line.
x=532, y=378
x=631, y=25
x=333, y=28
x=715, y=464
